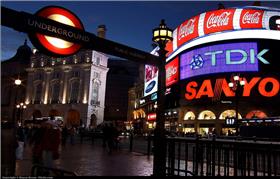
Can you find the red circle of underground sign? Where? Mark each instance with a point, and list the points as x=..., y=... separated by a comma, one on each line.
x=46, y=12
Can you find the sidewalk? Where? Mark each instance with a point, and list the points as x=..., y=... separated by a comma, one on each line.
x=92, y=160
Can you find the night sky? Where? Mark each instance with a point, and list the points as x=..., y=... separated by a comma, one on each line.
x=127, y=22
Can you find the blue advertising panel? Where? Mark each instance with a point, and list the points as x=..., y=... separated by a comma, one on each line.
x=230, y=57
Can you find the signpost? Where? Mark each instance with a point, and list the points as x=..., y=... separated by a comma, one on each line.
x=33, y=24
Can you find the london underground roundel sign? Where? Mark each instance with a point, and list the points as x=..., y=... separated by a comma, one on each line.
x=53, y=45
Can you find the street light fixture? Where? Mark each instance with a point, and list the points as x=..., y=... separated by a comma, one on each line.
x=161, y=36
x=20, y=108
x=236, y=86
x=17, y=82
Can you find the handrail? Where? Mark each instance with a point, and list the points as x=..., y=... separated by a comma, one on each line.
x=45, y=171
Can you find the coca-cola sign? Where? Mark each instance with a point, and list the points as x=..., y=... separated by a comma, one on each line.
x=251, y=18
x=172, y=72
x=218, y=21
x=187, y=30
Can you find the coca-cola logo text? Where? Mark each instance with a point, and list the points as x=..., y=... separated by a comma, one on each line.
x=171, y=71
x=249, y=18
x=219, y=20
x=187, y=29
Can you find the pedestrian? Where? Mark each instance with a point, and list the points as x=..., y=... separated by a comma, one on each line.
x=72, y=132
x=20, y=141
x=36, y=136
x=50, y=143
x=105, y=135
x=64, y=135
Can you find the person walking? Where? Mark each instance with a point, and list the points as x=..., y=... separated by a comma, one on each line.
x=64, y=135
x=72, y=132
x=50, y=143
x=20, y=141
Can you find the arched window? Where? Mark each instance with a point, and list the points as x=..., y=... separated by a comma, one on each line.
x=38, y=94
x=74, y=91
x=229, y=114
x=189, y=116
x=206, y=115
x=256, y=114
x=55, y=92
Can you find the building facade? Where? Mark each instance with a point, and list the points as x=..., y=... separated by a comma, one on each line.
x=11, y=94
x=207, y=51
x=72, y=88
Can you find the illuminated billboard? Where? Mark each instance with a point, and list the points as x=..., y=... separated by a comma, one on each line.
x=224, y=24
x=265, y=86
x=172, y=72
x=229, y=57
x=151, y=79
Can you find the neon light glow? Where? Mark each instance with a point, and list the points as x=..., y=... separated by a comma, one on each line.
x=267, y=87
x=231, y=57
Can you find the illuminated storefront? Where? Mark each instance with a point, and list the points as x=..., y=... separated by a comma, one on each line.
x=207, y=51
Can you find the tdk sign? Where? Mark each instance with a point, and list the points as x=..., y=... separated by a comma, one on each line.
x=230, y=57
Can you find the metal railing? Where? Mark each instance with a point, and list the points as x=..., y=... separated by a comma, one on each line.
x=220, y=157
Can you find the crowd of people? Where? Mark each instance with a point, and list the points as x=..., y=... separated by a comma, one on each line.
x=44, y=139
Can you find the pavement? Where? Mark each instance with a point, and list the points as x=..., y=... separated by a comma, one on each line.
x=93, y=160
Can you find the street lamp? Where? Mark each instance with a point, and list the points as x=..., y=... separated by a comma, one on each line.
x=20, y=108
x=161, y=36
x=17, y=82
x=236, y=86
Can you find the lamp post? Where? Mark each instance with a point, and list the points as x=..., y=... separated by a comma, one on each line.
x=17, y=82
x=236, y=86
x=20, y=108
x=161, y=36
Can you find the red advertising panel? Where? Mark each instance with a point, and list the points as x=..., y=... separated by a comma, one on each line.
x=220, y=20
x=152, y=116
x=172, y=72
x=169, y=48
x=251, y=18
x=187, y=30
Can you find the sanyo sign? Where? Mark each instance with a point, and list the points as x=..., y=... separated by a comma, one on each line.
x=230, y=57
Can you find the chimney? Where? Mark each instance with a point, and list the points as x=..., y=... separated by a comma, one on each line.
x=101, y=31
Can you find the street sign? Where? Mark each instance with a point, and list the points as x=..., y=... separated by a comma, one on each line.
x=41, y=24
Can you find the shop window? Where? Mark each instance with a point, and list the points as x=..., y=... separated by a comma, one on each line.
x=206, y=115
x=189, y=116
x=256, y=114
x=229, y=114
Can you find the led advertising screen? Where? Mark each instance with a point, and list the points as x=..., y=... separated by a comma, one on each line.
x=151, y=79
x=229, y=57
x=172, y=72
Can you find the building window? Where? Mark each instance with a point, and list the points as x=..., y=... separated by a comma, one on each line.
x=39, y=76
x=96, y=75
x=229, y=114
x=97, y=61
x=56, y=75
x=55, y=93
x=75, y=74
x=74, y=92
x=189, y=116
x=206, y=115
x=95, y=92
x=38, y=94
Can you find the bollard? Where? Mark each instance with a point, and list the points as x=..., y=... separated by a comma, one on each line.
x=149, y=145
x=130, y=141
